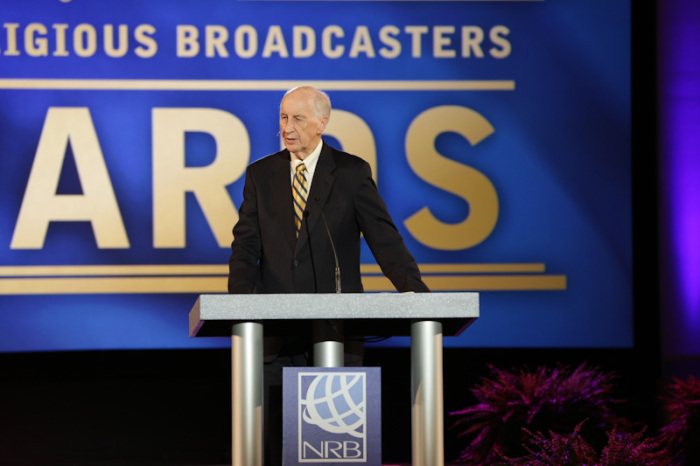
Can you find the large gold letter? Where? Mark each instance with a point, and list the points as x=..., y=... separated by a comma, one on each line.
x=172, y=179
x=464, y=181
x=41, y=205
x=354, y=135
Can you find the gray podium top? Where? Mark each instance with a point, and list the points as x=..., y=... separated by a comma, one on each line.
x=368, y=314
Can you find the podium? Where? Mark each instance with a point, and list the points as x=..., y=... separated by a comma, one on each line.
x=425, y=317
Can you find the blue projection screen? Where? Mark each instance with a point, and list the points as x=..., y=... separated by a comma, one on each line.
x=498, y=132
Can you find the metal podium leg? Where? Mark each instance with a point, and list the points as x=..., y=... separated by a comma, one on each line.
x=246, y=394
x=427, y=394
x=329, y=349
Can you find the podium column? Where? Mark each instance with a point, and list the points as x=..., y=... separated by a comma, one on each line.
x=427, y=394
x=328, y=343
x=246, y=394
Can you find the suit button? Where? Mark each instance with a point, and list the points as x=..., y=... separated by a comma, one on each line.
x=296, y=262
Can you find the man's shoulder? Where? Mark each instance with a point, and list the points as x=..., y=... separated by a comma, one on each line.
x=270, y=161
x=345, y=159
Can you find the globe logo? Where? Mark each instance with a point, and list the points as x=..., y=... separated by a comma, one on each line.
x=335, y=402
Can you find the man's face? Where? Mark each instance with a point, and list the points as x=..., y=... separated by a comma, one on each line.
x=299, y=126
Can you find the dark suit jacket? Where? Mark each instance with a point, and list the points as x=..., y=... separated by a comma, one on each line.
x=267, y=257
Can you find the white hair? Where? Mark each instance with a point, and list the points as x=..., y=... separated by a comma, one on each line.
x=322, y=103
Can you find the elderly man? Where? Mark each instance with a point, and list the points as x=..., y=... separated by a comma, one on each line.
x=281, y=244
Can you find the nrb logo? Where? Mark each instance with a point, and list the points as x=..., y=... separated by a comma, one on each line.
x=332, y=417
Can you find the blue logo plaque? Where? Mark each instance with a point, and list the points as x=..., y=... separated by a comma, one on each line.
x=332, y=415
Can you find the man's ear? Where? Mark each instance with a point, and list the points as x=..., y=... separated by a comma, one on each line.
x=324, y=121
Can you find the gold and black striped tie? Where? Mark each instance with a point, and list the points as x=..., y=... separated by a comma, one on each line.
x=299, y=191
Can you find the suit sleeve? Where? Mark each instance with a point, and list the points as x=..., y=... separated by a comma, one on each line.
x=244, y=273
x=383, y=238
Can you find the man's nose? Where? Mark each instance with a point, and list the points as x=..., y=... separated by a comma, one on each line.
x=288, y=127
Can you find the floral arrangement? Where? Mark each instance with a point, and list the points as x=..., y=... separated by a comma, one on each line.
x=682, y=433
x=573, y=405
x=573, y=449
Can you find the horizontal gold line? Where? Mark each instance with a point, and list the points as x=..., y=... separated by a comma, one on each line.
x=217, y=269
x=112, y=270
x=501, y=282
x=194, y=284
x=251, y=85
x=478, y=283
x=108, y=285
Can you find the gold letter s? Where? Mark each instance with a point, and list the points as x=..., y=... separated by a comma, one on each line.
x=464, y=181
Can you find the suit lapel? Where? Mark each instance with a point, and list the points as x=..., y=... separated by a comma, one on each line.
x=282, y=201
x=320, y=190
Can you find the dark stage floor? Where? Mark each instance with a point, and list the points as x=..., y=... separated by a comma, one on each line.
x=133, y=408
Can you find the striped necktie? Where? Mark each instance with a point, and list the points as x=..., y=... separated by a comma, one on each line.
x=299, y=191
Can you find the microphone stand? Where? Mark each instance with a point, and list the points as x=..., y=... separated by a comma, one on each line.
x=328, y=334
x=335, y=253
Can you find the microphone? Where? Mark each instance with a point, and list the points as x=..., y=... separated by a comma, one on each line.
x=335, y=254
x=305, y=215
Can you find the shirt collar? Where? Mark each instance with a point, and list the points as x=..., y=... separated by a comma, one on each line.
x=310, y=161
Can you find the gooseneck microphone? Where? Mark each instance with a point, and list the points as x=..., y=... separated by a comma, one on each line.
x=328, y=334
x=311, y=251
x=335, y=254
